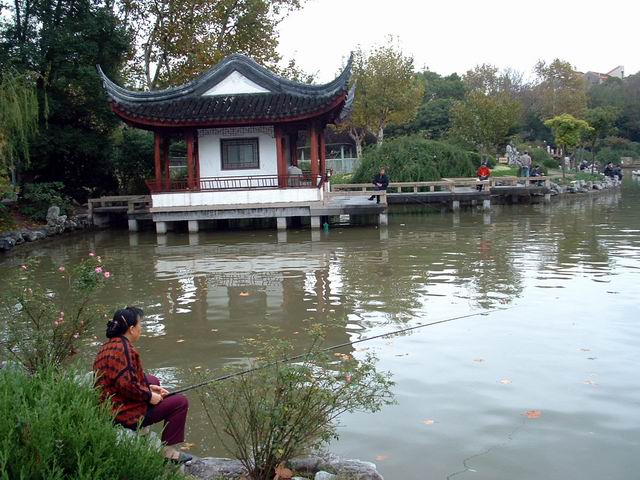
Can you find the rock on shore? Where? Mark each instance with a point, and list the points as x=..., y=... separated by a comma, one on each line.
x=311, y=467
x=56, y=224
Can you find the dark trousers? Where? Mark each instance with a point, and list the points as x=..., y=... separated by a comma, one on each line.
x=377, y=197
x=172, y=411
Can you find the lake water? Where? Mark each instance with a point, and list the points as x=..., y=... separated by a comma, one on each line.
x=568, y=346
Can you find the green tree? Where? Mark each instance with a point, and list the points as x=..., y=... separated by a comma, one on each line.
x=62, y=42
x=484, y=121
x=387, y=91
x=559, y=89
x=18, y=120
x=569, y=132
x=175, y=40
x=602, y=120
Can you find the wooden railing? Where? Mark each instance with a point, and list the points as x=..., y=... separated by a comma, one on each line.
x=445, y=185
x=120, y=203
x=357, y=193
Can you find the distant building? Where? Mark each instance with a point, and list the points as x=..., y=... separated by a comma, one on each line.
x=596, y=78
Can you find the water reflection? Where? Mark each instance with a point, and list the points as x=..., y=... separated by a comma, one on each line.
x=204, y=292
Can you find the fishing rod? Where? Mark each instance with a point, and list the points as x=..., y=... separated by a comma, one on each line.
x=333, y=347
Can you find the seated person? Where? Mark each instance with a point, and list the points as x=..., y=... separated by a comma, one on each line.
x=380, y=182
x=537, y=171
x=608, y=170
x=483, y=174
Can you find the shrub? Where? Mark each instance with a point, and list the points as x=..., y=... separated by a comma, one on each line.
x=43, y=326
x=606, y=155
x=55, y=428
x=38, y=197
x=287, y=409
x=416, y=159
x=539, y=156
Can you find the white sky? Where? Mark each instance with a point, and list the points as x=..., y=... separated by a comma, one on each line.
x=454, y=35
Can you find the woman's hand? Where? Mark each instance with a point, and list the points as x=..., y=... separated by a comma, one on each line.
x=156, y=398
x=158, y=389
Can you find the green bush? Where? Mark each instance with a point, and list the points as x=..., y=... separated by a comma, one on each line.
x=539, y=156
x=416, y=159
x=606, y=155
x=53, y=427
x=38, y=197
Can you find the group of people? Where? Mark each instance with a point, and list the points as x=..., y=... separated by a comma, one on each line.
x=612, y=171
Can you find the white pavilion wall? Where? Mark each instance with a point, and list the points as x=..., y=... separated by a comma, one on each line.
x=209, y=151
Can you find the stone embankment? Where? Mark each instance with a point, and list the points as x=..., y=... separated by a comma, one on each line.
x=584, y=186
x=328, y=467
x=56, y=224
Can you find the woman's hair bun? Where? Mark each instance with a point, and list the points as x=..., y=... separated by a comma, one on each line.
x=122, y=320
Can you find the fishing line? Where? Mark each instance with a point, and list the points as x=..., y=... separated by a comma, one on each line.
x=334, y=347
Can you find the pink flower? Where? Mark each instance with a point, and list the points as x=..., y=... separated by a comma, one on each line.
x=91, y=254
x=107, y=274
x=61, y=314
x=23, y=267
x=98, y=269
x=99, y=260
x=76, y=335
x=61, y=269
x=56, y=323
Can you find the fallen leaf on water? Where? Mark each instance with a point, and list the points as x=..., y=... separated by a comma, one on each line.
x=296, y=333
x=214, y=329
x=186, y=446
x=478, y=360
x=244, y=294
x=592, y=358
x=180, y=341
x=505, y=381
x=197, y=367
x=533, y=413
x=428, y=422
x=585, y=349
x=381, y=458
x=590, y=382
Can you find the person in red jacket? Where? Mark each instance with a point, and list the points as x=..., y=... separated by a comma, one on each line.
x=483, y=174
x=137, y=399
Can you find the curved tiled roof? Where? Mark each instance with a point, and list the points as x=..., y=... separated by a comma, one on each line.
x=186, y=104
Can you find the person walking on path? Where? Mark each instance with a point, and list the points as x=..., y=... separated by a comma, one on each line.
x=525, y=161
x=380, y=182
x=137, y=399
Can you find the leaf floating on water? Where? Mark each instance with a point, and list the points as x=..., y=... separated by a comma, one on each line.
x=180, y=341
x=186, y=446
x=533, y=414
x=197, y=367
x=381, y=458
x=244, y=294
x=478, y=360
x=214, y=329
x=592, y=358
x=428, y=422
x=505, y=381
x=590, y=382
x=585, y=349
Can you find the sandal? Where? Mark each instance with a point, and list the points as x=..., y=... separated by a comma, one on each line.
x=182, y=458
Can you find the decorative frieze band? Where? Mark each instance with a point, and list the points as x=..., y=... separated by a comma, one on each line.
x=238, y=131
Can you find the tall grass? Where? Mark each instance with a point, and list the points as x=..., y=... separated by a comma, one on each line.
x=53, y=427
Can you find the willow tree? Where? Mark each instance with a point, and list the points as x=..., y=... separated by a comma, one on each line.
x=18, y=120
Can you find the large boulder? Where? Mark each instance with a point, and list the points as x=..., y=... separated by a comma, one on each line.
x=215, y=468
x=7, y=243
x=33, y=235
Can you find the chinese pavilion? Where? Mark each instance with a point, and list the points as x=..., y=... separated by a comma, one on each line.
x=241, y=124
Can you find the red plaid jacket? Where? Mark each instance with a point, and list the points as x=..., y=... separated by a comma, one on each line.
x=120, y=376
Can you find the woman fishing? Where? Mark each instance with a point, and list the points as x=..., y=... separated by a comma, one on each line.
x=137, y=398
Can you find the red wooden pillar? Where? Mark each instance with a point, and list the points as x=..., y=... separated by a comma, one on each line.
x=293, y=148
x=190, y=172
x=281, y=160
x=156, y=157
x=313, y=139
x=323, y=154
x=196, y=159
x=165, y=159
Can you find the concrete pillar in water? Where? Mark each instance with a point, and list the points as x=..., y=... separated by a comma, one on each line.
x=384, y=232
x=455, y=204
x=282, y=223
x=282, y=236
x=194, y=226
x=133, y=225
x=486, y=204
x=383, y=219
x=547, y=198
x=456, y=217
x=161, y=228
x=474, y=203
x=315, y=222
x=194, y=239
x=315, y=235
x=486, y=218
x=134, y=239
